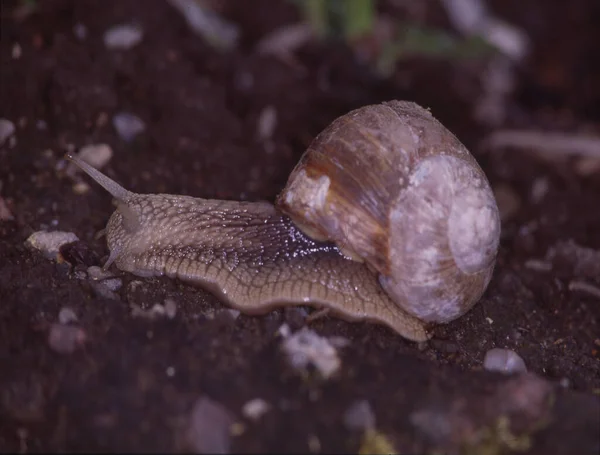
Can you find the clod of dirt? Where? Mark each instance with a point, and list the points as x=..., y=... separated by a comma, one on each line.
x=7, y=129
x=123, y=36
x=79, y=253
x=255, y=409
x=128, y=126
x=97, y=155
x=209, y=427
x=49, y=243
x=306, y=347
x=359, y=416
x=65, y=339
x=504, y=360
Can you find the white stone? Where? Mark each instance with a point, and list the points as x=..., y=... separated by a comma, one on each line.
x=306, y=347
x=128, y=126
x=96, y=155
x=49, y=243
x=504, y=361
x=123, y=36
x=255, y=409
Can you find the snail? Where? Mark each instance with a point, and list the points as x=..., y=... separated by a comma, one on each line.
x=386, y=218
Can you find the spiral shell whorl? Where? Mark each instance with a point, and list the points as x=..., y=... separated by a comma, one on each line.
x=443, y=237
x=392, y=187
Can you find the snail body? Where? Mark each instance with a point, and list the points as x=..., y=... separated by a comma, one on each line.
x=362, y=228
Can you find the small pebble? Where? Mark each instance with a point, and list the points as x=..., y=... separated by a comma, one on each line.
x=255, y=409
x=359, y=416
x=267, y=121
x=284, y=330
x=123, y=36
x=157, y=309
x=128, y=126
x=66, y=315
x=81, y=188
x=7, y=129
x=17, y=51
x=170, y=308
x=209, y=427
x=504, y=360
x=306, y=347
x=49, y=243
x=65, y=339
x=96, y=155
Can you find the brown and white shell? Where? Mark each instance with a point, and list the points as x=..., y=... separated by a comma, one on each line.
x=392, y=187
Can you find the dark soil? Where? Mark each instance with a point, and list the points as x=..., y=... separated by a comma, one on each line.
x=131, y=384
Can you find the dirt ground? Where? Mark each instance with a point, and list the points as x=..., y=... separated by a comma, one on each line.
x=140, y=383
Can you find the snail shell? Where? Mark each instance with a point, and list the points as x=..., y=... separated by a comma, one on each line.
x=392, y=187
x=384, y=199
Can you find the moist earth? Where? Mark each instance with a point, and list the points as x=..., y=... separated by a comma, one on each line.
x=138, y=364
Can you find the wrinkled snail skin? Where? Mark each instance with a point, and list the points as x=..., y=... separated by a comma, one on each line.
x=387, y=218
x=246, y=253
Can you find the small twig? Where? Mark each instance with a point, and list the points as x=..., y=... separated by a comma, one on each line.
x=213, y=28
x=319, y=314
x=558, y=145
x=471, y=17
x=285, y=40
x=582, y=286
